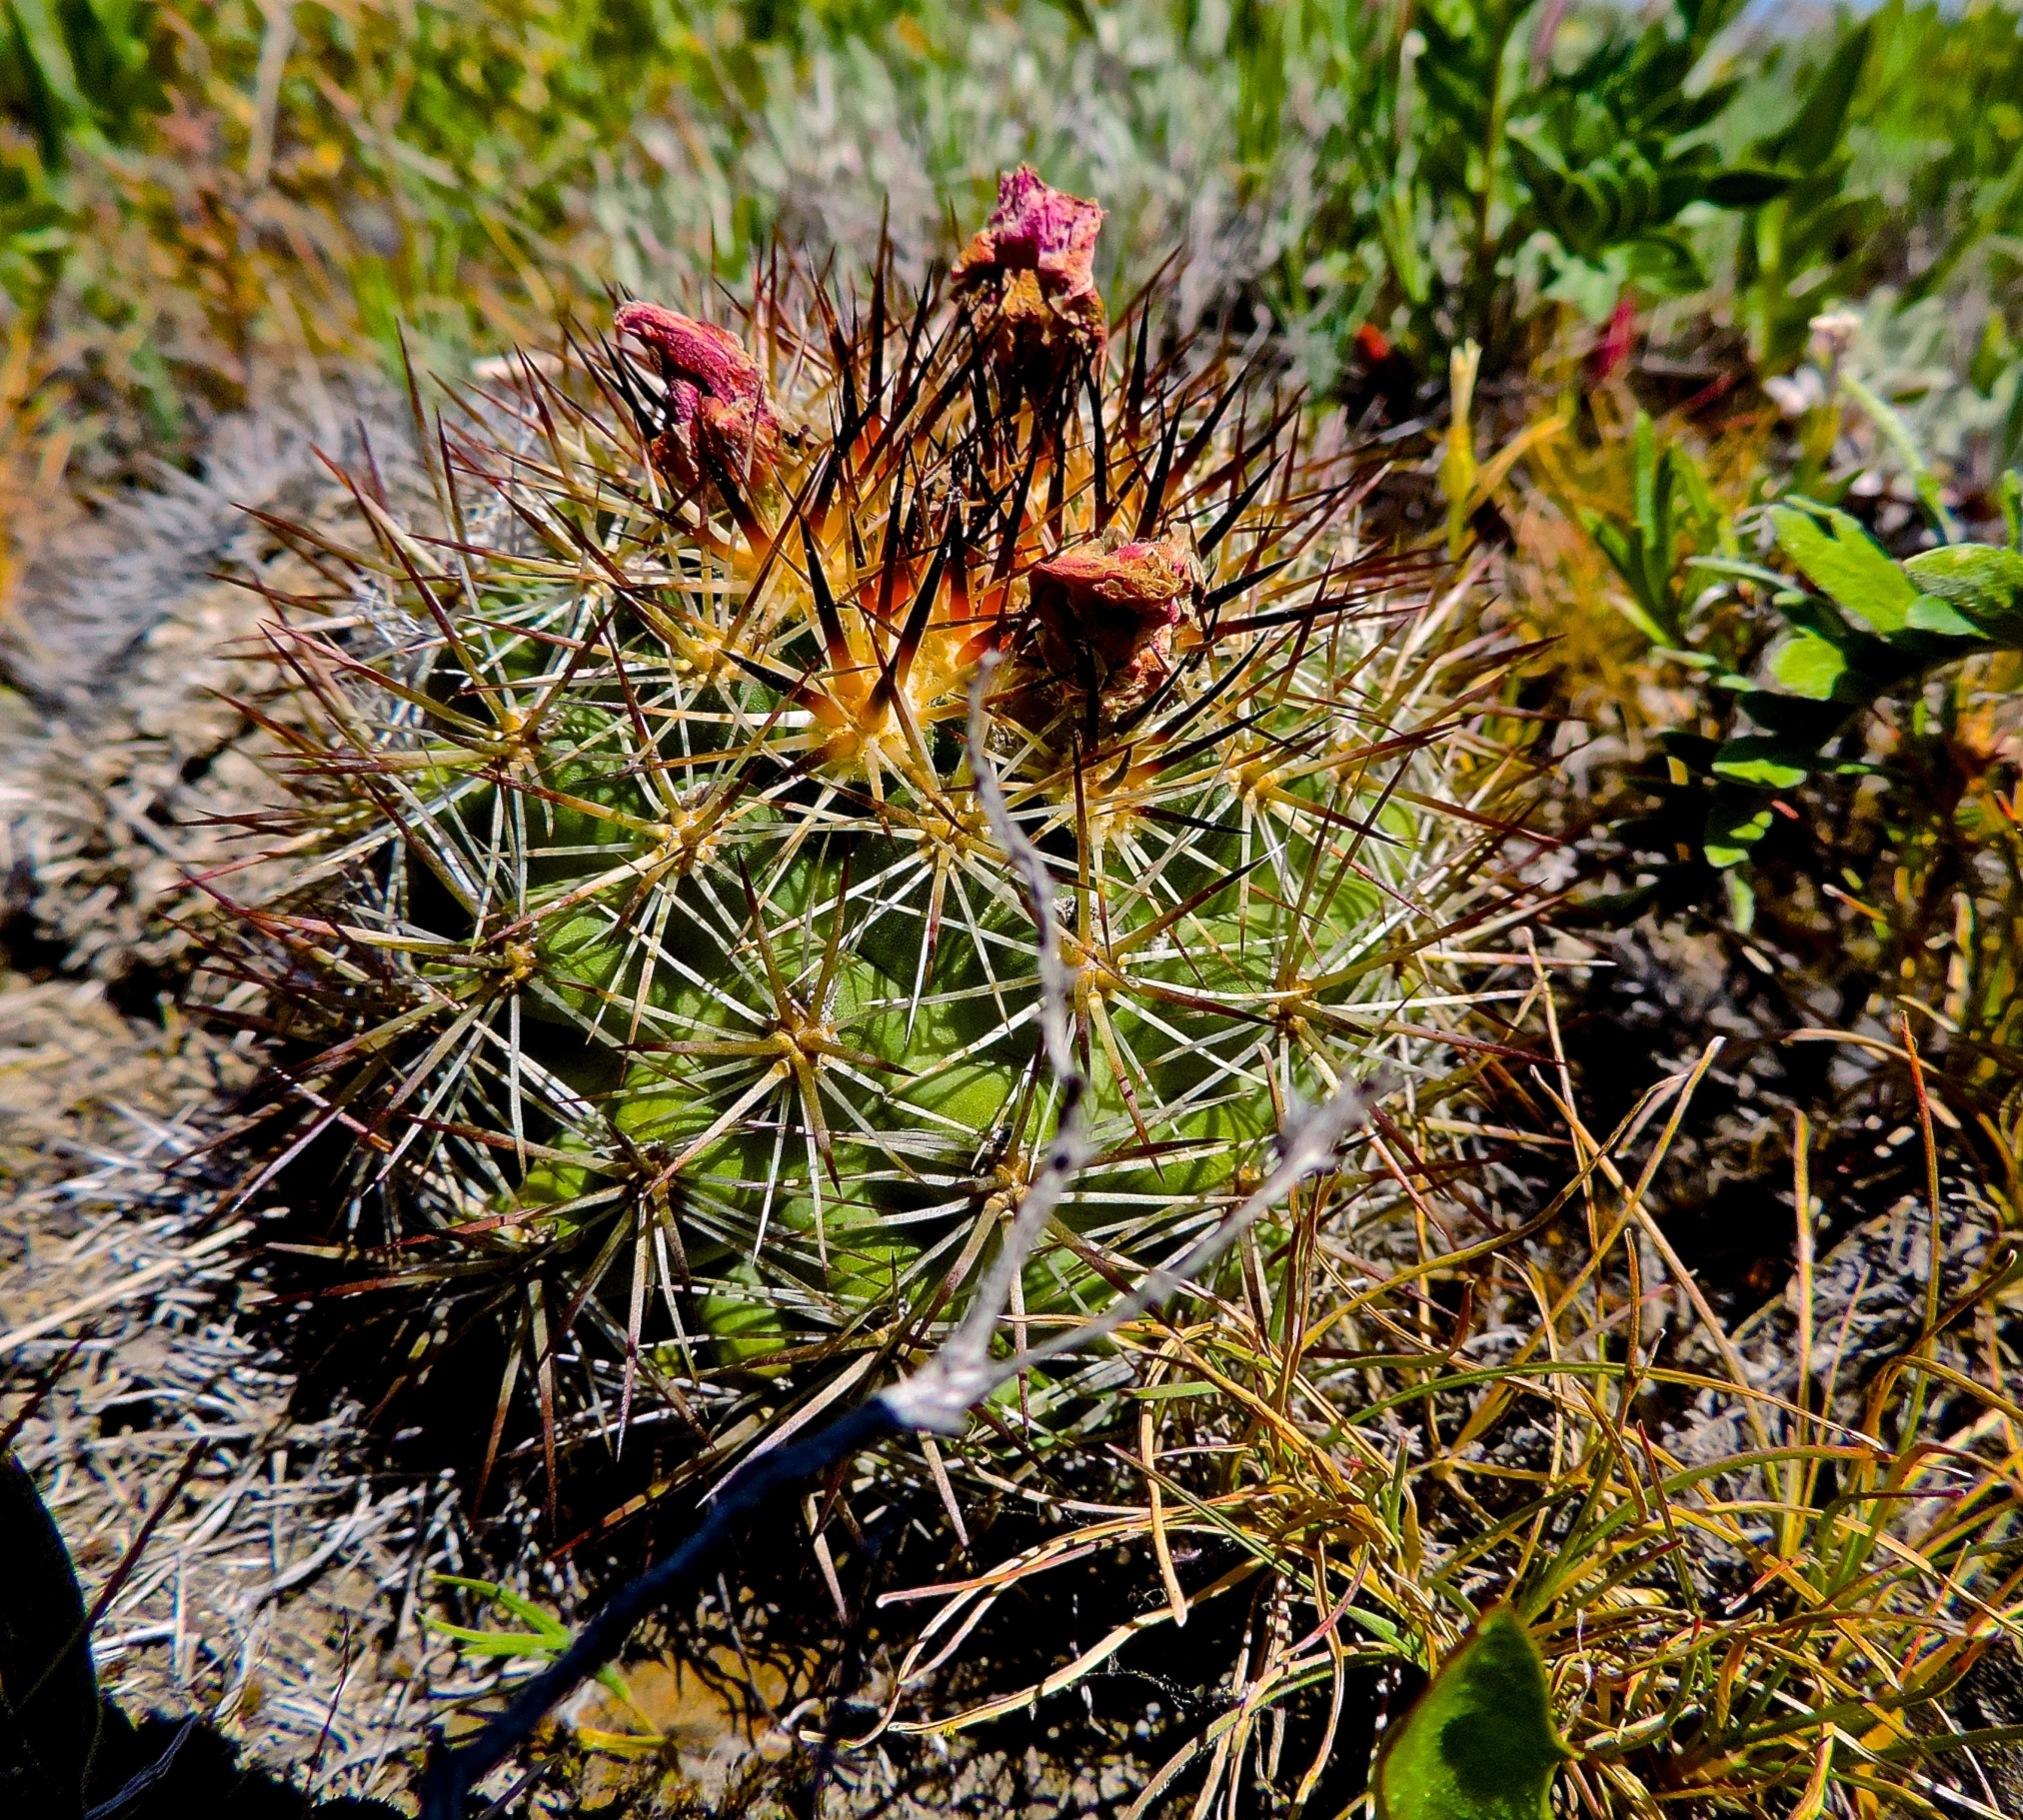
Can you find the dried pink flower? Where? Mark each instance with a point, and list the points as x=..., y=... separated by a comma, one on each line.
x=1030, y=276
x=1100, y=614
x=716, y=392
x=1037, y=228
x=1100, y=632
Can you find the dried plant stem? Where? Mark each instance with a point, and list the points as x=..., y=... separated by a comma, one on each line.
x=938, y=1398
x=124, y=1288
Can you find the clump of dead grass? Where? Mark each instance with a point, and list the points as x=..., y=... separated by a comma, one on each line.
x=1762, y=1556
x=242, y=1564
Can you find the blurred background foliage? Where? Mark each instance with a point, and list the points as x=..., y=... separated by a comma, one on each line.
x=1567, y=257
x=190, y=192
x=308, y=173
x=1604, y=215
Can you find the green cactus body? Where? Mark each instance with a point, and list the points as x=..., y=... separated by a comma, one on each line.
x=673, y=974
x=824, y=1037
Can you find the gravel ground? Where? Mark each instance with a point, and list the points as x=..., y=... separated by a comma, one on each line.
x=273, y=1588
x=257, y=1577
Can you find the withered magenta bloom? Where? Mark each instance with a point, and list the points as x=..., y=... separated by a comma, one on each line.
x=1101, y=615
x=1029, y=277
x=716, y=392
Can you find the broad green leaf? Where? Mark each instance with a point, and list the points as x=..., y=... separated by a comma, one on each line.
x=1810, y=667
x=1798, y=718
x=1480, y=1743
x=1814, y=133
x=1665, y=263
x=1737, y=819
x=1741, y=902
x=1930, y=614
x=1849, y=564
x=1983, y=584
x=1769, y=764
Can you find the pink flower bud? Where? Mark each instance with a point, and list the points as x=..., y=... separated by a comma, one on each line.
x=716, y=392
x=1029, y=277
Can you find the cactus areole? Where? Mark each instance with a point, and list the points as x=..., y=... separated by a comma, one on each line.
x=654, y=956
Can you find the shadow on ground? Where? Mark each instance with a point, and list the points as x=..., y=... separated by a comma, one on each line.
x=166, y=1768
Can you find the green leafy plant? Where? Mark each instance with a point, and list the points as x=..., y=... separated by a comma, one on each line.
x=543, y=1639
x=1474, y=169
x=75, y=79
x=80, y=72
x=1871, y=631
x=1671, y=518
x=1478, y=161
x=1479, y=1742
x=1611, y=153
x=1906, y=156
x=1814, y=227
x=1826, y=740
x=1874, y=629
x=1939, y=109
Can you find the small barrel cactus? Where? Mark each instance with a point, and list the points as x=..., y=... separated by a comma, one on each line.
x=653, y=950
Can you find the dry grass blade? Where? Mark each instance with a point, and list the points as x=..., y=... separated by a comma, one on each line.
x=1754, y=1580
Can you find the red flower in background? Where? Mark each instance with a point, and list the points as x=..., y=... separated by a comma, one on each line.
x=1618, y=341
